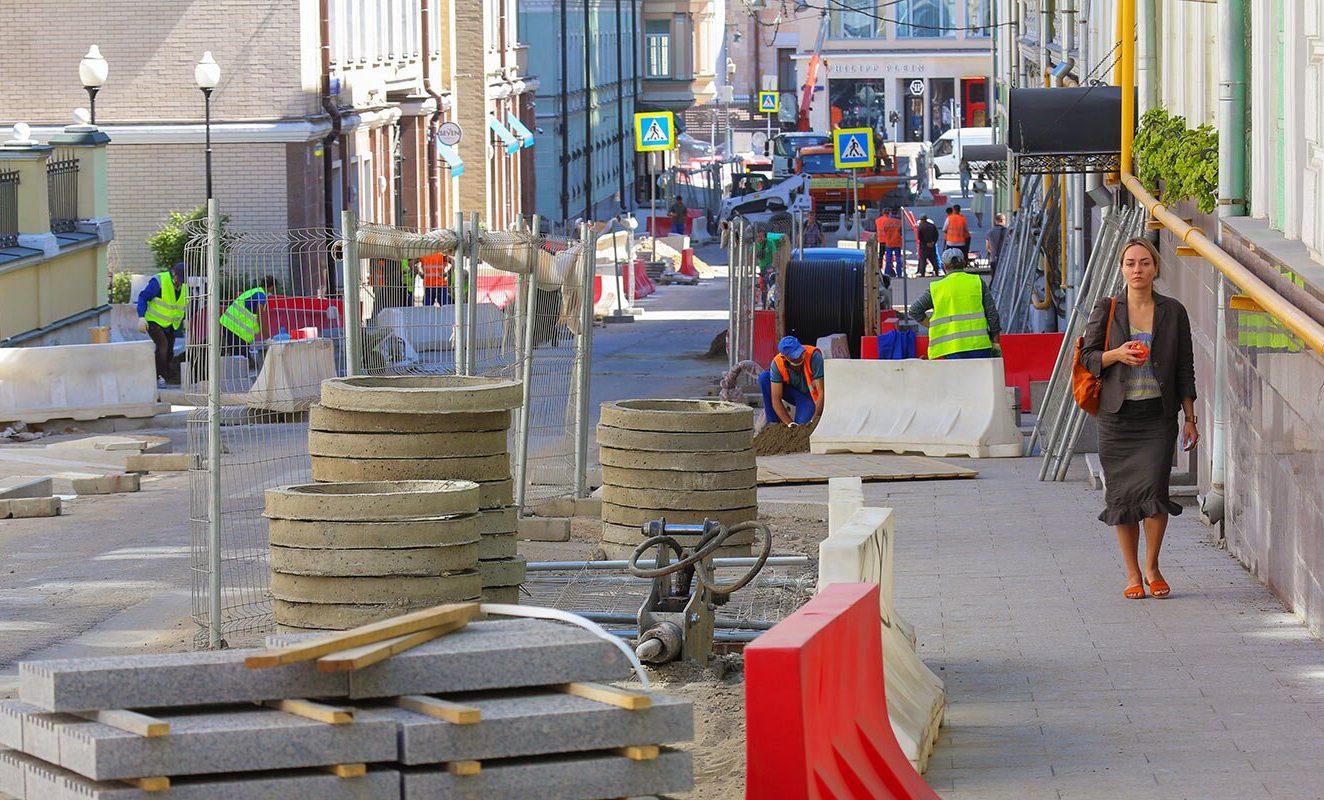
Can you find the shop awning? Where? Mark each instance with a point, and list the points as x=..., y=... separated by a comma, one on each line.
x=452, y=158
x=984, y=153
x=525, y=135
x=503, y=133
x=1062, y=130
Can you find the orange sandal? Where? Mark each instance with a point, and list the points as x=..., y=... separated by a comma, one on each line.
x=1159, y=588
x=1136, y=592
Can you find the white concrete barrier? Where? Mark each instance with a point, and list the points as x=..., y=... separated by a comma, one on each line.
x=861, y=552
x=845, y=499
x=938, y=408
x=614, y=248
x=292, y=374
x=432, y=328
x=77, y=381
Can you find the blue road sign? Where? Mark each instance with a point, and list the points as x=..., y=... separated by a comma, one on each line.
x=852, y=148
x=654, y=130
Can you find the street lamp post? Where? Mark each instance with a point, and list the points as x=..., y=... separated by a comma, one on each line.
x=93, y=70
x=207, y=74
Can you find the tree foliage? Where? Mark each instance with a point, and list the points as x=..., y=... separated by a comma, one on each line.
x=1185, y=160
x=169, y=242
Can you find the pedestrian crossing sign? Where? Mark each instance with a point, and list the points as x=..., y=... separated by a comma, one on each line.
x=768, y=103
x=654, y=130
x=852, y=148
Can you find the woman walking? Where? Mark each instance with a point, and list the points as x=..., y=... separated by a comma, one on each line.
x=980, y=188
x=1145, y=362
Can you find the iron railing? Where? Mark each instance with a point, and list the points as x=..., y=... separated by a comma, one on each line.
x=62, y=184
x=8, y=208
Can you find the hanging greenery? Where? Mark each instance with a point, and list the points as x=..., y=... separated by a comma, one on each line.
x=1184, y=160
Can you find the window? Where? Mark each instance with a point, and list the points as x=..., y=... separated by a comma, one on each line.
x=978, y=20
x=855, y=19
x=657, y=48
x=923, y=19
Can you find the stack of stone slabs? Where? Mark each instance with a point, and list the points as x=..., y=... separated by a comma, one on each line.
x=348, y=554
x=223, y=746
x=682, y=460
x=442, y=427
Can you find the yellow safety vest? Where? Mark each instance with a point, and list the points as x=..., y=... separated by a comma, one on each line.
x=239, y=320
x=168, y=309
x=958, y=323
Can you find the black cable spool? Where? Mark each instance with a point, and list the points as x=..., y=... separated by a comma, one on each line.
x=821, y=298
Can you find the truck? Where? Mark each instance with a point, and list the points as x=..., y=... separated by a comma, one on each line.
x=830, y=190
x=784, y=147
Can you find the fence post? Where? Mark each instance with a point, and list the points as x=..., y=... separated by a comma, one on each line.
x=460, y=299
x=472, y=290
x=214, y=640
x=584, y=356
x=352, y=324
x=530, y=320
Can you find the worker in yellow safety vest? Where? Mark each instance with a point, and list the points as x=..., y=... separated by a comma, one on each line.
x=795, y=377
x=965, y=322
x=161, y=307
x=240, y=325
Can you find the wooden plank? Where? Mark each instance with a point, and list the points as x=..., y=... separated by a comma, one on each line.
x=348, y=770
x=130, y=722
x=611, y=695
x=646, y=752
x=159, y=784
x=368, y=654
x=464, y=767
x=318, y=712
x=440, y=709
x=363, y=635
x=817, y=468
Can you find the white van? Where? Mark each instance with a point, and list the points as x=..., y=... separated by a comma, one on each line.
x=946, y=152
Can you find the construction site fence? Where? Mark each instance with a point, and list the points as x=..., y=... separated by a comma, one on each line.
x=359, y=301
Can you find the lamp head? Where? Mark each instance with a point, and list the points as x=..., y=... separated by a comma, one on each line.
x=207, y=73
x=93, y=69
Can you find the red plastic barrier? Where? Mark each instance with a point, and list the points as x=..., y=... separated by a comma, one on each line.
x=303, y=333
x=687, y=263
x=499, y=290
x=293, y=313
x=659, y=226
x=643, y=285
x=1025, y=357
x=765, y=337
x=816, y=724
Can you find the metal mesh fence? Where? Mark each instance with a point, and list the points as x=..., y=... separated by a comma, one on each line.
x=457, y=301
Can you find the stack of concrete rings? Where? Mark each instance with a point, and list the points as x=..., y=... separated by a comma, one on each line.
x=347, y=554
x=680, y=460
x=436, y=427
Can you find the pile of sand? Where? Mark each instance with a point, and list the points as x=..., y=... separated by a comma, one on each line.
x=776, y=440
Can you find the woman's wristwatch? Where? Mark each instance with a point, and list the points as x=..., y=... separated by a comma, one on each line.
x=1194, y=420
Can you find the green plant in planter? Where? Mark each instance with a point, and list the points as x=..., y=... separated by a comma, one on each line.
x=121, y=284
x=1183, y=160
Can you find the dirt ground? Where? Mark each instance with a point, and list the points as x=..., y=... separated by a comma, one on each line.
x=776, y=440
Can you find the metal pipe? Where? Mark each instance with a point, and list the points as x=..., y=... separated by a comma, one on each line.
x=731, y=637
x=574, y=566
x=1128, y=65
x=584, y=357
x=1231, y=203
x=564, y=113
x=530, y=321
x=214, y=640
x=471, y=292
x=613, y=618
x=352, y=324
x=1146, y=71
x=332, y=109
x=459, y=296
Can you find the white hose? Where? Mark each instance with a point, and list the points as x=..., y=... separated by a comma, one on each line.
x=556, y=614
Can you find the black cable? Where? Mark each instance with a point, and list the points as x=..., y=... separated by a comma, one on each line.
x=825, y=297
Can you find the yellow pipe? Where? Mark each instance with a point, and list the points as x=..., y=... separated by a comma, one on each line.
x=1128, y=61
x=1282, y=309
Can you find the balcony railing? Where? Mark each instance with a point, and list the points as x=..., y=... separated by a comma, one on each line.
x=8, y=208
x=62, y=184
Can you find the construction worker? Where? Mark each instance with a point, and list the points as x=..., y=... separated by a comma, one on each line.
x=956, y=231
x=240, y=325
x=161, y=306
x=965, y=321
x=795, y=377
x=889, y=238
x=927, y=234
x=436, y=288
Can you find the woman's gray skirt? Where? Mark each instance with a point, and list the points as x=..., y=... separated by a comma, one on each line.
x=1136, y=446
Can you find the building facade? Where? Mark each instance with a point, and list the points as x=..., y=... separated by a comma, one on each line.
x=323, y=105
x=586, y=54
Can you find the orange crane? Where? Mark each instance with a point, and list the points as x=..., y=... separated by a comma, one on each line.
x=811, y=73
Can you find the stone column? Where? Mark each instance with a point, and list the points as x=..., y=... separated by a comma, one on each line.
x=34, y=212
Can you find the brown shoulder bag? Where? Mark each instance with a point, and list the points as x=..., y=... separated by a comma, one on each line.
x=1085, y=385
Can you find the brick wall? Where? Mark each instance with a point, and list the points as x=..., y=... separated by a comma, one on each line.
x=147, y=182
x=151, y=48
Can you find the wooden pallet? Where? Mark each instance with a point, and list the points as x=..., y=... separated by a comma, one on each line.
x=812, y=468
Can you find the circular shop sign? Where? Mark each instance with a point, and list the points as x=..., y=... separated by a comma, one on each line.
x=917, y=88
x=450, y=133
